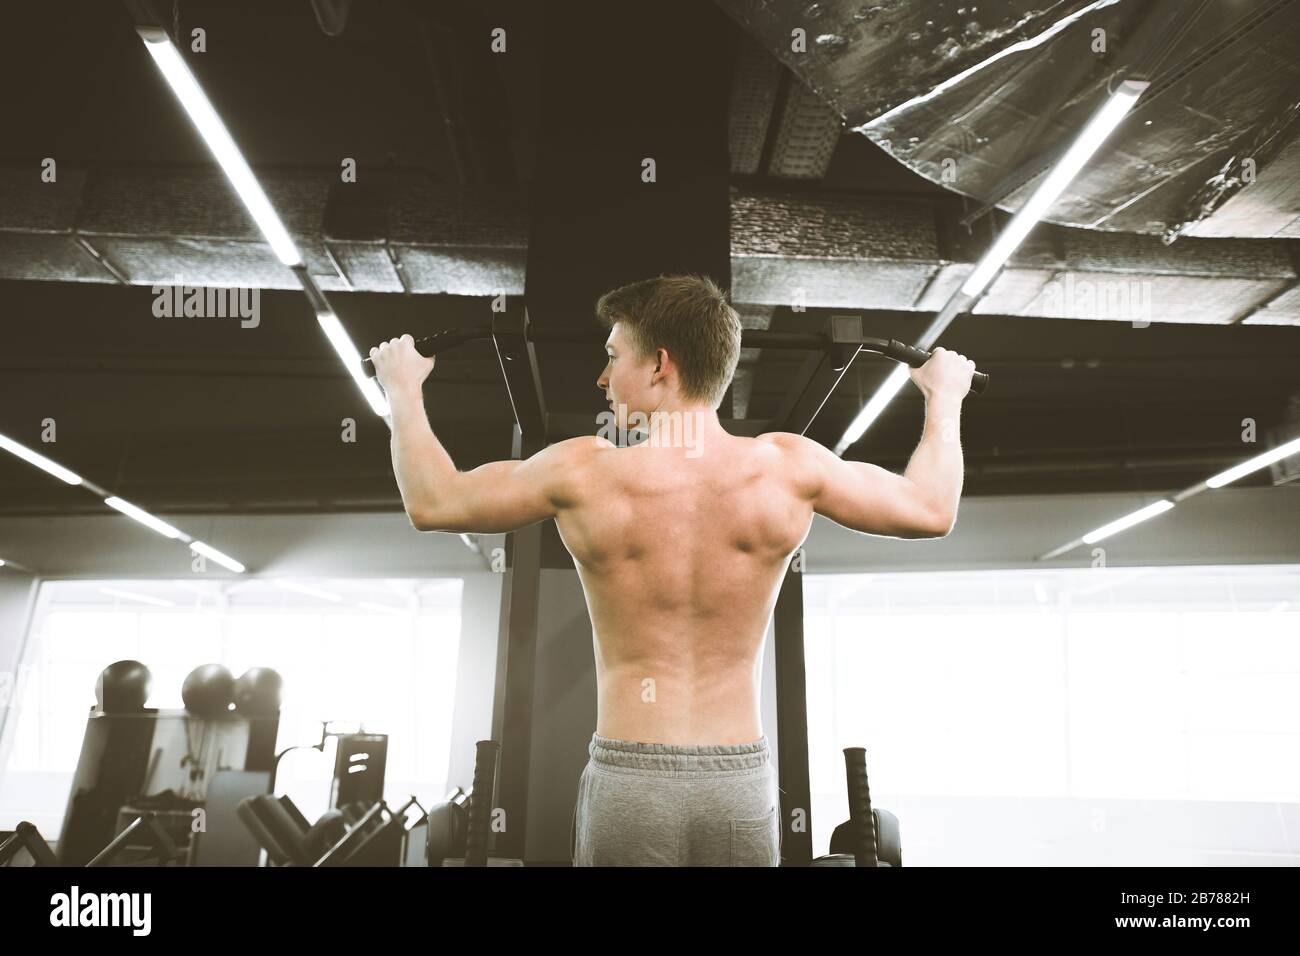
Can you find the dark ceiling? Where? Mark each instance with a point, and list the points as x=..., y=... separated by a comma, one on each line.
x=202, y=415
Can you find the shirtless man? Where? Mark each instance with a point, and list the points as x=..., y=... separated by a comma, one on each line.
x=681, y=543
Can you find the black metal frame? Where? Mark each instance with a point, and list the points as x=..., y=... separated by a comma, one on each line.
x=820, y=374
x=517, y=639
x=25, y=836
x=835, y=349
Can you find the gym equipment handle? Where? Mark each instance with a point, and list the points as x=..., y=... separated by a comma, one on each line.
x=862, y=823
x=915, y=358
x=480, y=806
x=437, y=343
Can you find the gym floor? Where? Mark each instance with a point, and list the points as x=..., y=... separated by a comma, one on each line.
x=208, y=582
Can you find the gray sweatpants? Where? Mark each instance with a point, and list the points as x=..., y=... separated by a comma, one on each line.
x=642, y=804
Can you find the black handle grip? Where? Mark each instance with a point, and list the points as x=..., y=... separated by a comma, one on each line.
x=862, y=823
x=914, y=357
x=480, y=806
x=430, y=345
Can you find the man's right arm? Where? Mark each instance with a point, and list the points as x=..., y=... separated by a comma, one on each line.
x=921, y=502
x=870, y=500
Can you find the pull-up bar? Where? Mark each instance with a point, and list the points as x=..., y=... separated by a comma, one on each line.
x=447, y=339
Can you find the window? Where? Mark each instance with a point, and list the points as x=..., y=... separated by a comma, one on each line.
x=378, y=654
x=1098, y=716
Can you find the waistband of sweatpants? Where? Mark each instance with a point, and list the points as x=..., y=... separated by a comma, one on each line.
x=678, y=758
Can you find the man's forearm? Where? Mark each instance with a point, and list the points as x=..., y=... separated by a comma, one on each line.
x=936, y=466
x=421, y=465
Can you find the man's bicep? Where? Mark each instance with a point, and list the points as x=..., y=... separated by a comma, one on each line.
x=871, y=500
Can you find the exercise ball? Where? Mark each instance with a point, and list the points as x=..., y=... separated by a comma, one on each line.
x=208, y=690
x=257, y=692
x=122, y=687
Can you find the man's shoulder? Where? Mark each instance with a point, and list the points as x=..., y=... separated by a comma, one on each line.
x=786, y=441
x=802, y=459
x=566, y=466
x=573, y=452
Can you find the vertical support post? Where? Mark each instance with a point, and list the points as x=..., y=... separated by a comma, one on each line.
x=792, y=721
x=820, y=376
x=512, y=712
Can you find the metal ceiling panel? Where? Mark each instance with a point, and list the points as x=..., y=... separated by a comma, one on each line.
x=978, y=97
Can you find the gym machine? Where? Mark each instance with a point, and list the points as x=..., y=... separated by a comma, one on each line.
x=351, y=835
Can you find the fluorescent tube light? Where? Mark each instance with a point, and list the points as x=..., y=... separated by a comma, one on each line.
x=351, y=358
x=40, y=461
x=214, y=133
x=1049, y=190
x=1128, y=521
x=1254, y=464
x=225, y=560
x=142, y=516
x=871, y=411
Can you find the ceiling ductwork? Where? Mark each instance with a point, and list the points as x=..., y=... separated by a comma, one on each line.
x=397, y=232
x=778, y=126
x=982, y=97
x=145, y=226
x=841, y=251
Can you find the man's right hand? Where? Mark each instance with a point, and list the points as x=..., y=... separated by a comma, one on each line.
x=399, y=367
x=946, y=374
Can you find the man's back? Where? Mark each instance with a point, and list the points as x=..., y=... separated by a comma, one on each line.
x=681, y=553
